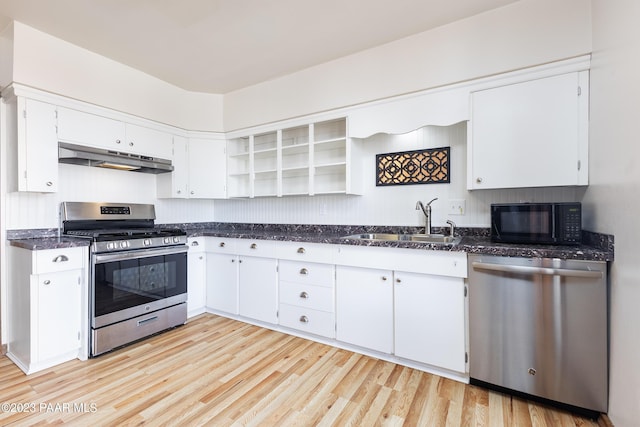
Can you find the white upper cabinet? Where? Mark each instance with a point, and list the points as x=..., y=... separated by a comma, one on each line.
x=530, y=134
x=199, y=170
x=308, y=159
x=33, y=148
x=92, y=130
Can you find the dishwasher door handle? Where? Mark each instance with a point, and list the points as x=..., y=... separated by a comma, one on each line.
x=523, y=269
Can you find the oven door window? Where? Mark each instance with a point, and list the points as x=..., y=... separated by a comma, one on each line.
x=128, y=283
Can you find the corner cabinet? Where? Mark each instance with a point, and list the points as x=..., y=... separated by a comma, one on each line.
x=530, y=134
x=47, y=303
x=199, y=170
x=307, y=159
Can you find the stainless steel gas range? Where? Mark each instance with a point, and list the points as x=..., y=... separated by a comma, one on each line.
x=138, y=273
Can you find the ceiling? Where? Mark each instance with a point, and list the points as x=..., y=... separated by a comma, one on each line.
x=218, y=46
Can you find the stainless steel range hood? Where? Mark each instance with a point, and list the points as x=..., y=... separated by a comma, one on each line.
x=89, y=156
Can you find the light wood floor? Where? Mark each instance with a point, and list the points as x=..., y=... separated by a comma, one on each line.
x=216, y=371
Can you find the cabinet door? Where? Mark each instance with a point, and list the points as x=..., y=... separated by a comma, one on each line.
x=207, y=168
x=258, y=284
x=175, y=184
x=429, y=319
x=91, y=130
x=531, y=134
x=364, y=307
x=222, y=282
x=58, y=313
x=196, y=282
x=37, y=147
x=150, y=142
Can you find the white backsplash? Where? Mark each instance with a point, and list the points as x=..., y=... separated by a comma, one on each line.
x=391, y=205
x=85, y=184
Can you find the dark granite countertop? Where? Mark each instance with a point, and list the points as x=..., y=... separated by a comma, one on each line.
x=595, y=247
x=41, y=243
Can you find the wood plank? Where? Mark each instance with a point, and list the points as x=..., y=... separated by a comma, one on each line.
x=217, y=371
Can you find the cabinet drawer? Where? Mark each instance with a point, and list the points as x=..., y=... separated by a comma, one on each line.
x=308, y=296
x=313, y=252
x=53, y=260
x=225, y=245
x=306, y=272
x=257, y=248
x=308, y=320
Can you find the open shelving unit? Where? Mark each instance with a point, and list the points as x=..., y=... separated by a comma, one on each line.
x=307, y=159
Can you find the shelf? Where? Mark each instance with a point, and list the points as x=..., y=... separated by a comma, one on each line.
x=337, y=165
x=265, y=152
x=295, y=149
x=301, y=169
x=239, y=174
x=266, y=171
x=239, y=154
x=341, y=140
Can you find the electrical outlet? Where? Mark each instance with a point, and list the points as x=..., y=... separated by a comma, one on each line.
x=457, y=206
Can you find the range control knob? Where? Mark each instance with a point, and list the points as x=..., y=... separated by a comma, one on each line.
x=167, y=240
x=124, y=244
x=146, y=242
x=176, y=239
x=111, y=245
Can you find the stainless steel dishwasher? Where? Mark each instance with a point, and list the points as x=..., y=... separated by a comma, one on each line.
x=538, y=326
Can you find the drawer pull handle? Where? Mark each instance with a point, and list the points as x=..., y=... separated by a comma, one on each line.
x=61, y=258
x=254, y=246
x=222, y=244
x=384, y=278
x=304, y=295
x=301, y=250
x=304, y=319
x=47, y=282
x=304, y=271
x=195, y=243
x=149, y=320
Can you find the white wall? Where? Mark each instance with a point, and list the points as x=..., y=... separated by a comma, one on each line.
x=392, y=205
x=613, y=196
x=522, y=34
x=51, y=64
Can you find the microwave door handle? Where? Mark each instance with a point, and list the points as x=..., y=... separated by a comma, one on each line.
x=521, y=269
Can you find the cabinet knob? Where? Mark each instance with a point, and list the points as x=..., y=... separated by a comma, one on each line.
x=117, y=141
x=179, y=191
x=193, y=192
x=200, y=257
x=304, y=295
x=398, y=281
x=304, y=271
x=301, y=250
x=239, y=261
x=304, y=319
x=131, y=144
x=195, y=243
x=49, y=183
x=253, y=246
x=384, y=278
x=222, y=244
x=60, y=258
x=233, y=260
x=47, y=282
x=478, y=180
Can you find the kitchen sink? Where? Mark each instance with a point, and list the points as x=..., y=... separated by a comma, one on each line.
x=421, y=238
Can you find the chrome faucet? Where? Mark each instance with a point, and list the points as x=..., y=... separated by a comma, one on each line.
x=426, y=209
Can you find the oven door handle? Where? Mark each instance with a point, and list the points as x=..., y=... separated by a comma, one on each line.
x=142, y=253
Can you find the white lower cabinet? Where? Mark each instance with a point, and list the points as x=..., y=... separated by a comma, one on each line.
x=258, y=284
x=429, y=322
x=222, y=282
x=46, y=306
x=364, y=307
x=196, y=276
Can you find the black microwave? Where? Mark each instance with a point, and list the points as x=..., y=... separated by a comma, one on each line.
x=544, y=223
